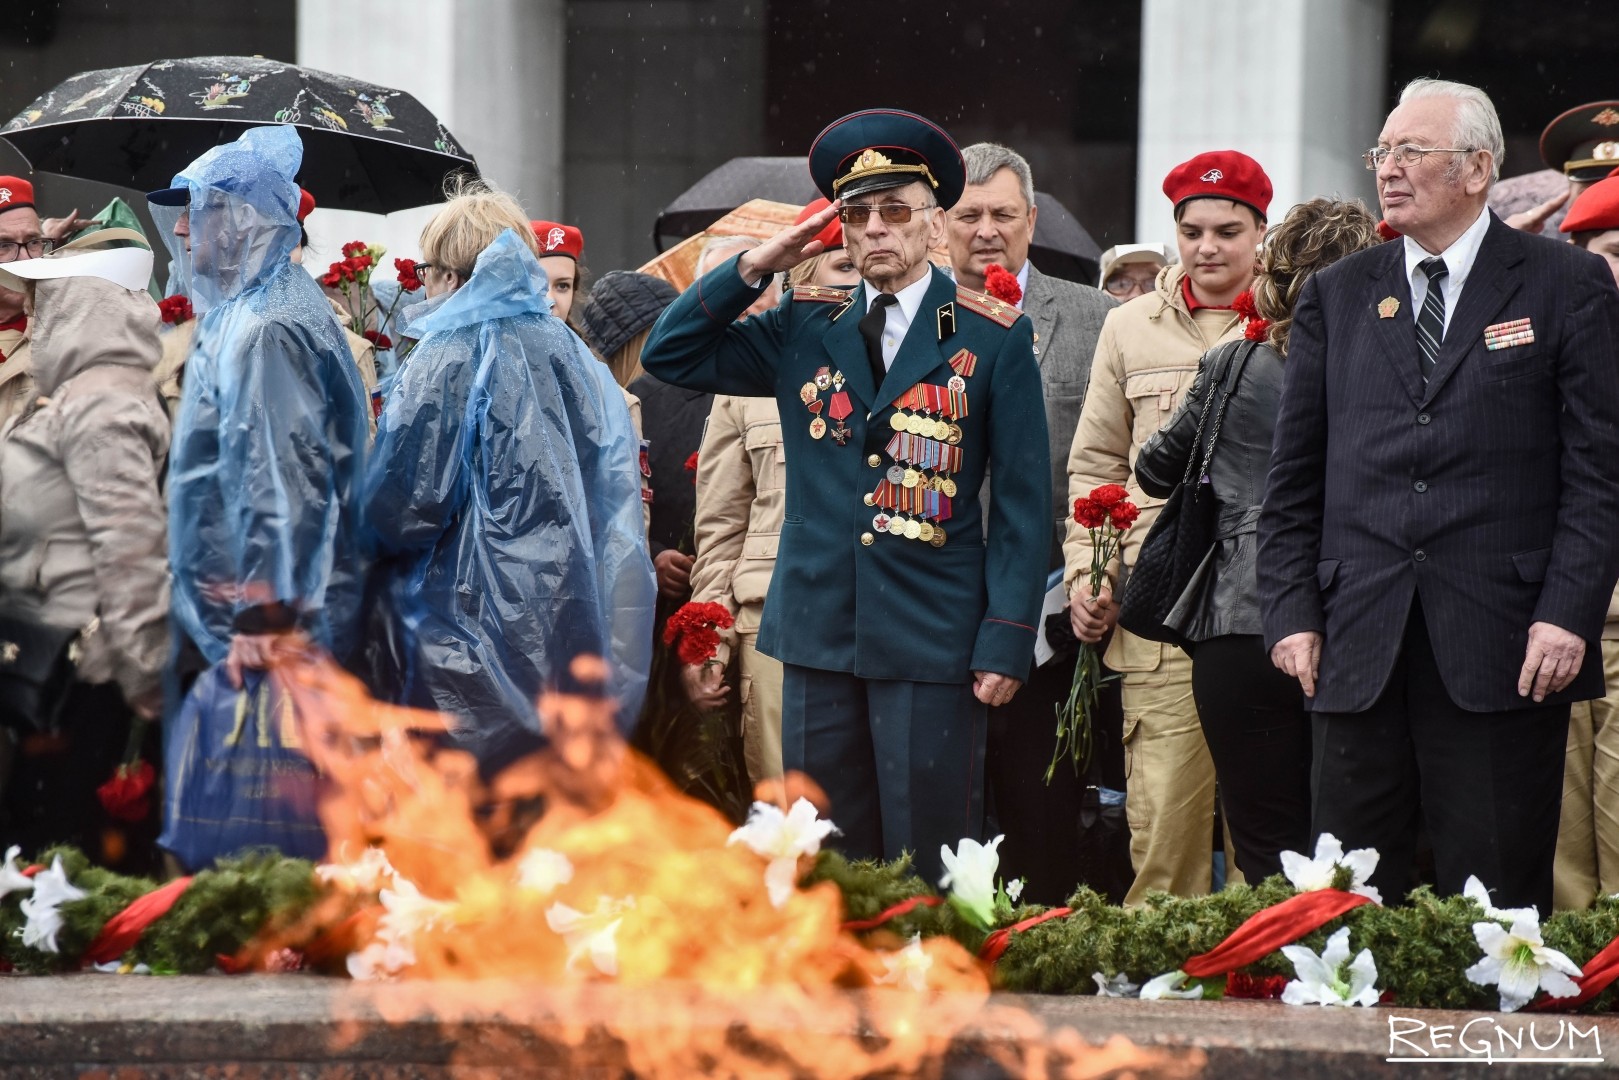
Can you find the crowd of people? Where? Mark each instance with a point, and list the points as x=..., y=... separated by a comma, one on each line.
x=852, y=452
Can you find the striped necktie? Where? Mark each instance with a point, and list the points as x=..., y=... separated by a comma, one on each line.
x=1431, y=323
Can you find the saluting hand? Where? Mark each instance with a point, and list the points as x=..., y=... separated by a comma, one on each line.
x=1551, y=661
x=788, y=248
x=1533, y=220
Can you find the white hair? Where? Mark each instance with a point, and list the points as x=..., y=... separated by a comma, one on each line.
x=1477, y=125
x=716, y=248
x=984, y=160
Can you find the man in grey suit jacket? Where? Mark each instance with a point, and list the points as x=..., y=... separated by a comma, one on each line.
x=993, y=224
x=1437, y=549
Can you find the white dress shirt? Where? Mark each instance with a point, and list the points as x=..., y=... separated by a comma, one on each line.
x=1459, y=258
x=900, y=315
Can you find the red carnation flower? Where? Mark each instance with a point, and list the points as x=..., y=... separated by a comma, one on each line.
x=1109, y=495
x=695, y=627
x=175, y=309
x=1256, y=330
x=354, y=247
x=1002, y=284
x=378, y=338
x=1244, y=305
x=127, y=796
x=1088, y=514
x=408, y=280
x=1124, y=515
x=691, y=466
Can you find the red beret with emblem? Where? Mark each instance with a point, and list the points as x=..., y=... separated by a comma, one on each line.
x=557, y=239
x=1220, y=174
x=15, y=194
x=306, y=205
x=1596, y=209
x=832, y=235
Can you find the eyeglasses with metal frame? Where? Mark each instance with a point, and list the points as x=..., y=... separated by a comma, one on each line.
x=9, y=250
x=891, y=213
x=1407, y=155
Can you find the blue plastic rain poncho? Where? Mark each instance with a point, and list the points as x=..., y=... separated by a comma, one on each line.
x=268, y=446
x=505, y=493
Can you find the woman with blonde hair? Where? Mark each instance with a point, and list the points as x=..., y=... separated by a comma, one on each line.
x=1253, y=716
x=504, y=496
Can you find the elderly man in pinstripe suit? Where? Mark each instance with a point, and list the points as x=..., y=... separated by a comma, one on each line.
x=1441, y=526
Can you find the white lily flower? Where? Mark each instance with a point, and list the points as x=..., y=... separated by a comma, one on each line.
x=1171, y=985
x=1310, y=875
x=409, y=912
x=1475, y=891
x=908, y=967
x=52, y=889
x=543, y=871
x=367, y=874
x=970, y=877
x=1014, y=890
x=12, y=878
x=591, y=935
x=381, y=960
x=1119, y=986
x=1322, y=979
x=783, y=839
x=1519, y=962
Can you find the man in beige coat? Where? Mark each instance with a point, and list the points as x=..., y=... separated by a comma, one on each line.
x=22, y=236
x=1145, y=360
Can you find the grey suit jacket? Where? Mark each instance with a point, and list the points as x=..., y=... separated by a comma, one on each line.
x=1067, y=319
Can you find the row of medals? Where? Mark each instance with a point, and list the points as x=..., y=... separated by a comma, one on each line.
x=928, y=427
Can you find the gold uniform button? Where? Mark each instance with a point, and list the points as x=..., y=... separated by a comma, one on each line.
x=871, y=500
x=874, y=461
x=867, y=539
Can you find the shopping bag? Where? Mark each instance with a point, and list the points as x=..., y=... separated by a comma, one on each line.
x=236, y=776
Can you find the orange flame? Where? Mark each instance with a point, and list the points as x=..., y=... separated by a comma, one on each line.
x=659, y=937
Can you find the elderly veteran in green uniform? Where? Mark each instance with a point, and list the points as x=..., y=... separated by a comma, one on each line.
x=899, y=616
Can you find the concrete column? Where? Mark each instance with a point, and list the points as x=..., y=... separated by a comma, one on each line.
x=491, y=70
x=1298, y=86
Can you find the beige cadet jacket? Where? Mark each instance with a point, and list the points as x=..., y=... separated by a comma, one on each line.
x=16, y=378
x=1145, y=360
x=741, y=497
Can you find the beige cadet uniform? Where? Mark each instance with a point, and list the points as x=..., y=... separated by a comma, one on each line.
x=16, y=380
x=1587, y=862
x=740, y=498
x=1145, y=361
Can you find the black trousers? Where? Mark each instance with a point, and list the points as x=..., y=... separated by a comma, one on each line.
x=1488, y=786
x=1258, y=733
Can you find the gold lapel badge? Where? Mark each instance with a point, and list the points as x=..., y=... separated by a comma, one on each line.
x=1388, y=307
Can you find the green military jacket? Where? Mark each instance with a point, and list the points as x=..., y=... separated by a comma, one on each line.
x=885, y=568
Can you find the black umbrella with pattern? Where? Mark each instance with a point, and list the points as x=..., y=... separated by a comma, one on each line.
x=366, y=147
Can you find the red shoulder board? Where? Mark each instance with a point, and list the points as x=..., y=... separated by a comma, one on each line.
x=994, y=310
x=824, y=294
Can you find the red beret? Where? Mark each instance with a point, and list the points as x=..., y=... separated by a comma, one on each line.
x=558, y=239
x=15, y=194
x=306, y=205
x=1596, y=209
x=1220, y=174
x=832, y=235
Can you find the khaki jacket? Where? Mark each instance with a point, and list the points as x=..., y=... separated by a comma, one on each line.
x=16, y=376
x=741, y=492
x=1145, y=360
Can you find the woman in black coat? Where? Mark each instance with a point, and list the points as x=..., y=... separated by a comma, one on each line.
x=1253, y=716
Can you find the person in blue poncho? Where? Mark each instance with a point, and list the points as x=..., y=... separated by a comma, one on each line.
x=270, y=438
x=504, y=496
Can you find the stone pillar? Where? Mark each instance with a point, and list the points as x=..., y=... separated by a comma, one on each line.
x=491, y=70
x=1297, y=86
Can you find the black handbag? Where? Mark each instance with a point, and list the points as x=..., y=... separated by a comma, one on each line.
x=38, y=662
x=1183, y=533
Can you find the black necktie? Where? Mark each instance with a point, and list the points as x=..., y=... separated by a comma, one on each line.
x=871, y=328
x=1431, y=323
